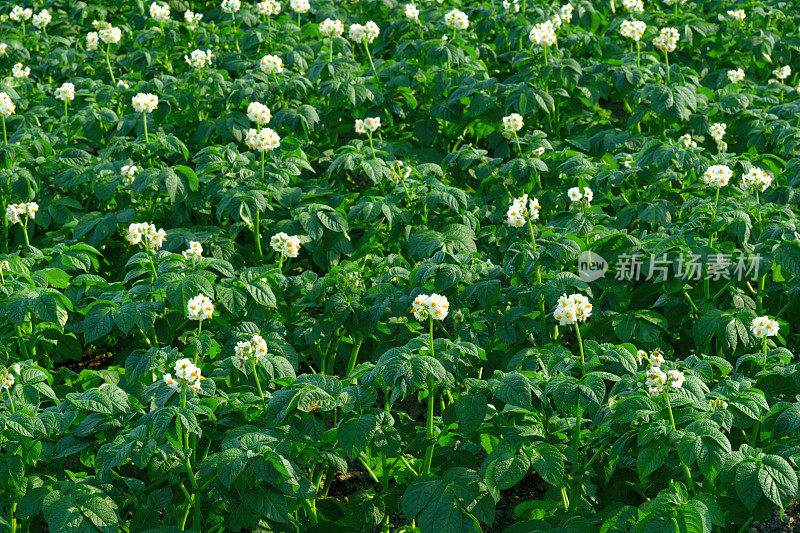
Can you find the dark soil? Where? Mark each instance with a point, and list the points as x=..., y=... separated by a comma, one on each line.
x=788, y=523
x=94, y=358
x=532, y=487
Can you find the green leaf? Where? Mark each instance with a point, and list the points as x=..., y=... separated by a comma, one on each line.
x=355, y=433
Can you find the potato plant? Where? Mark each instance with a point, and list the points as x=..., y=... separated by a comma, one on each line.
x=370, y=266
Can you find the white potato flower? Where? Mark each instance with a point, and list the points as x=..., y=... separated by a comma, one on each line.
x=364, y=34
x=7, y=379
x=20, y=72
x=717, y=175
x=717, y=131
x=152, y=238
x=249, y=352
x=195, y=251
x=200, y=308
x=511, y=6
x=372, y=124
x=3, y=49
x=199, y=58
x=191, y=18
x=7, y=106
x=521, y=209
x=128, y=173
x=19, y=14
x=331, y=28
x=42, y=19
x=124, y=84
x=411, y=11
x=231, y=6
x=667, y=39
x=512, y=123
x=299, y=6
x=634, y=6
x=92, y=40
x=735, y=76
x=262, y=140
x=687, y=141
x=110, y=35
x=268, y=8
x=427, y=306
x=566, y=13
x=145, y=102
x=259, y=113
x=675, y=379
x=160, y=13
x=286, y=245
x=783, y=72
x=737, y=14
x=66, y=92
x=755, y=179
x=456, y=20
x=632, y=29
x=764, y=326
x=16, y=212
x=572, y=309
x=655, y=381
x=271, y=64
x=580, y=194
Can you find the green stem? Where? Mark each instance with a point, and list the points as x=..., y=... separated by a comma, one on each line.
x=10, y=400
x=351, y=364
x=66, y=113
x=580, y=347
x=258, y=382
x=369, y=470
x=686, y=470
x=564, y=498
x=146, y=136
x=369, y=56
x=707, y=281
x=256, y=232
x=760, y=295
x=426, y=465
x=408, y=465
x=25, y=232
x=369, y=135
x=108, y=62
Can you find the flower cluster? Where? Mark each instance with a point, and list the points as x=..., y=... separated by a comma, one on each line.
x=755, y=180
x=566, y=13
x=633, y=29
x=272, y=64
x=264, y=139
x=735, y=76
x=331, y=28
x=42, y=19
x=66, y=92
x=299, y=6
x=7, y=378
x=764, y=326
x=369, y=124
x=364, y=34
x=434, y=306
x=19, y=71
x=634, y=6
x=7, y=106
x=572, y=309
x=144, y=103
x=19, y=14
x=667, y=39
x=111, y=35
x=456, y=20
x=657, y=380
x=231, y=6
x=268, y=8
x=717, y=131
x=717, y=176
x=580, y=194
x=200, y=308
x=128, y=173
x=92, y=40
x=737, y=14
x=187, y=376
x=543, y=34
x=15, y=212
x=259, y=113
x=159, y=13
x=286, y=245
x=195, y=251
x=511, y=6
x=522, y=209
x=199, y=58
x=512, y=123
x=191, y=18
x=3, y=49
x=411, y=11
x=783, y=72
x=687, y=141
x=249, y=352
x=147, y=234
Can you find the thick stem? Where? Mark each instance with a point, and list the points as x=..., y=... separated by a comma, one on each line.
x=686, y=470
x=258, y=381
x=257, y=232
x=108, y=63
x=371, y=64
x=351, y=364
x=10, y=400
x=25, y=232
x=580, y=347
x=426, y=465
x=146, y=137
